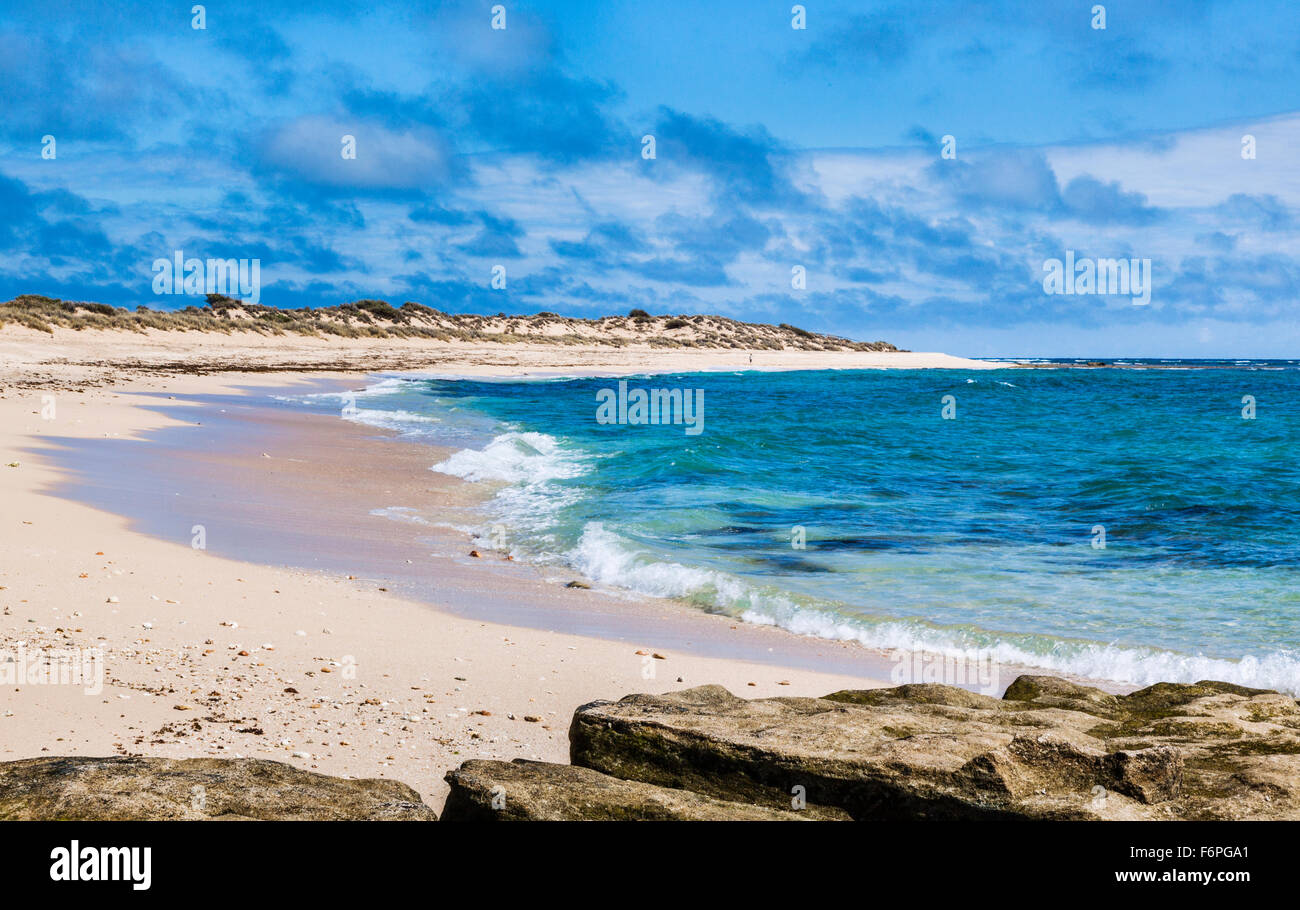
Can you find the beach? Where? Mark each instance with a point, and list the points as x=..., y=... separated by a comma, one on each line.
x=206, y=655
x=250, y=549
x=482, y=425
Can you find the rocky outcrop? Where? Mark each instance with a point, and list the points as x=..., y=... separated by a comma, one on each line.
x=539, y=791
x=1049, y=749
x=143, y=789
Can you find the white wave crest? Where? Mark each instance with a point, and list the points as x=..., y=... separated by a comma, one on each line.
x=519, y=458
x=605, y=557
x=529, y=465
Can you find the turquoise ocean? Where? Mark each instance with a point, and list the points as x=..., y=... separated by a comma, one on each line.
x=1138, y=523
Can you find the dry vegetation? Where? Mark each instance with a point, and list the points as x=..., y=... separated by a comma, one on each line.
x=378, y=319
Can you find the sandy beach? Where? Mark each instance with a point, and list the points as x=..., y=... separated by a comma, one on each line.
x=206, y=655
x=434, y=413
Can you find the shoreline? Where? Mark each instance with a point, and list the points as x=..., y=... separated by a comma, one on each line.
x=377, y=686
x=271, y=485
x=68, y=358
x=312, y=458
x=436, y=677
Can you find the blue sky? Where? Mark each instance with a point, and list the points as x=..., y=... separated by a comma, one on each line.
x=775, y=148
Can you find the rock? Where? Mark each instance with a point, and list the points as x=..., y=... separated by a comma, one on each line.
x=142, y=789
x=1047, y=749
x=539, y=791
x=1050, y=691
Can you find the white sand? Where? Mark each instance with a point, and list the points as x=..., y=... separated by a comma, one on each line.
x=386, y=687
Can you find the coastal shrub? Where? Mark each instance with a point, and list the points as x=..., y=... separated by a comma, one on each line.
x=381, y=308
x=220, y=302
x=379, y=319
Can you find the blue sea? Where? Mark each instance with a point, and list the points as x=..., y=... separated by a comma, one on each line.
x=1134, y=524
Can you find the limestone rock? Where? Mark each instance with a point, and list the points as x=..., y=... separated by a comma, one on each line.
x=1048, y=749
x=538, y=791
x=142, y=789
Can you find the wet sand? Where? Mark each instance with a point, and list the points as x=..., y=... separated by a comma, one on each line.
x=261, y=645
x=273, y=485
